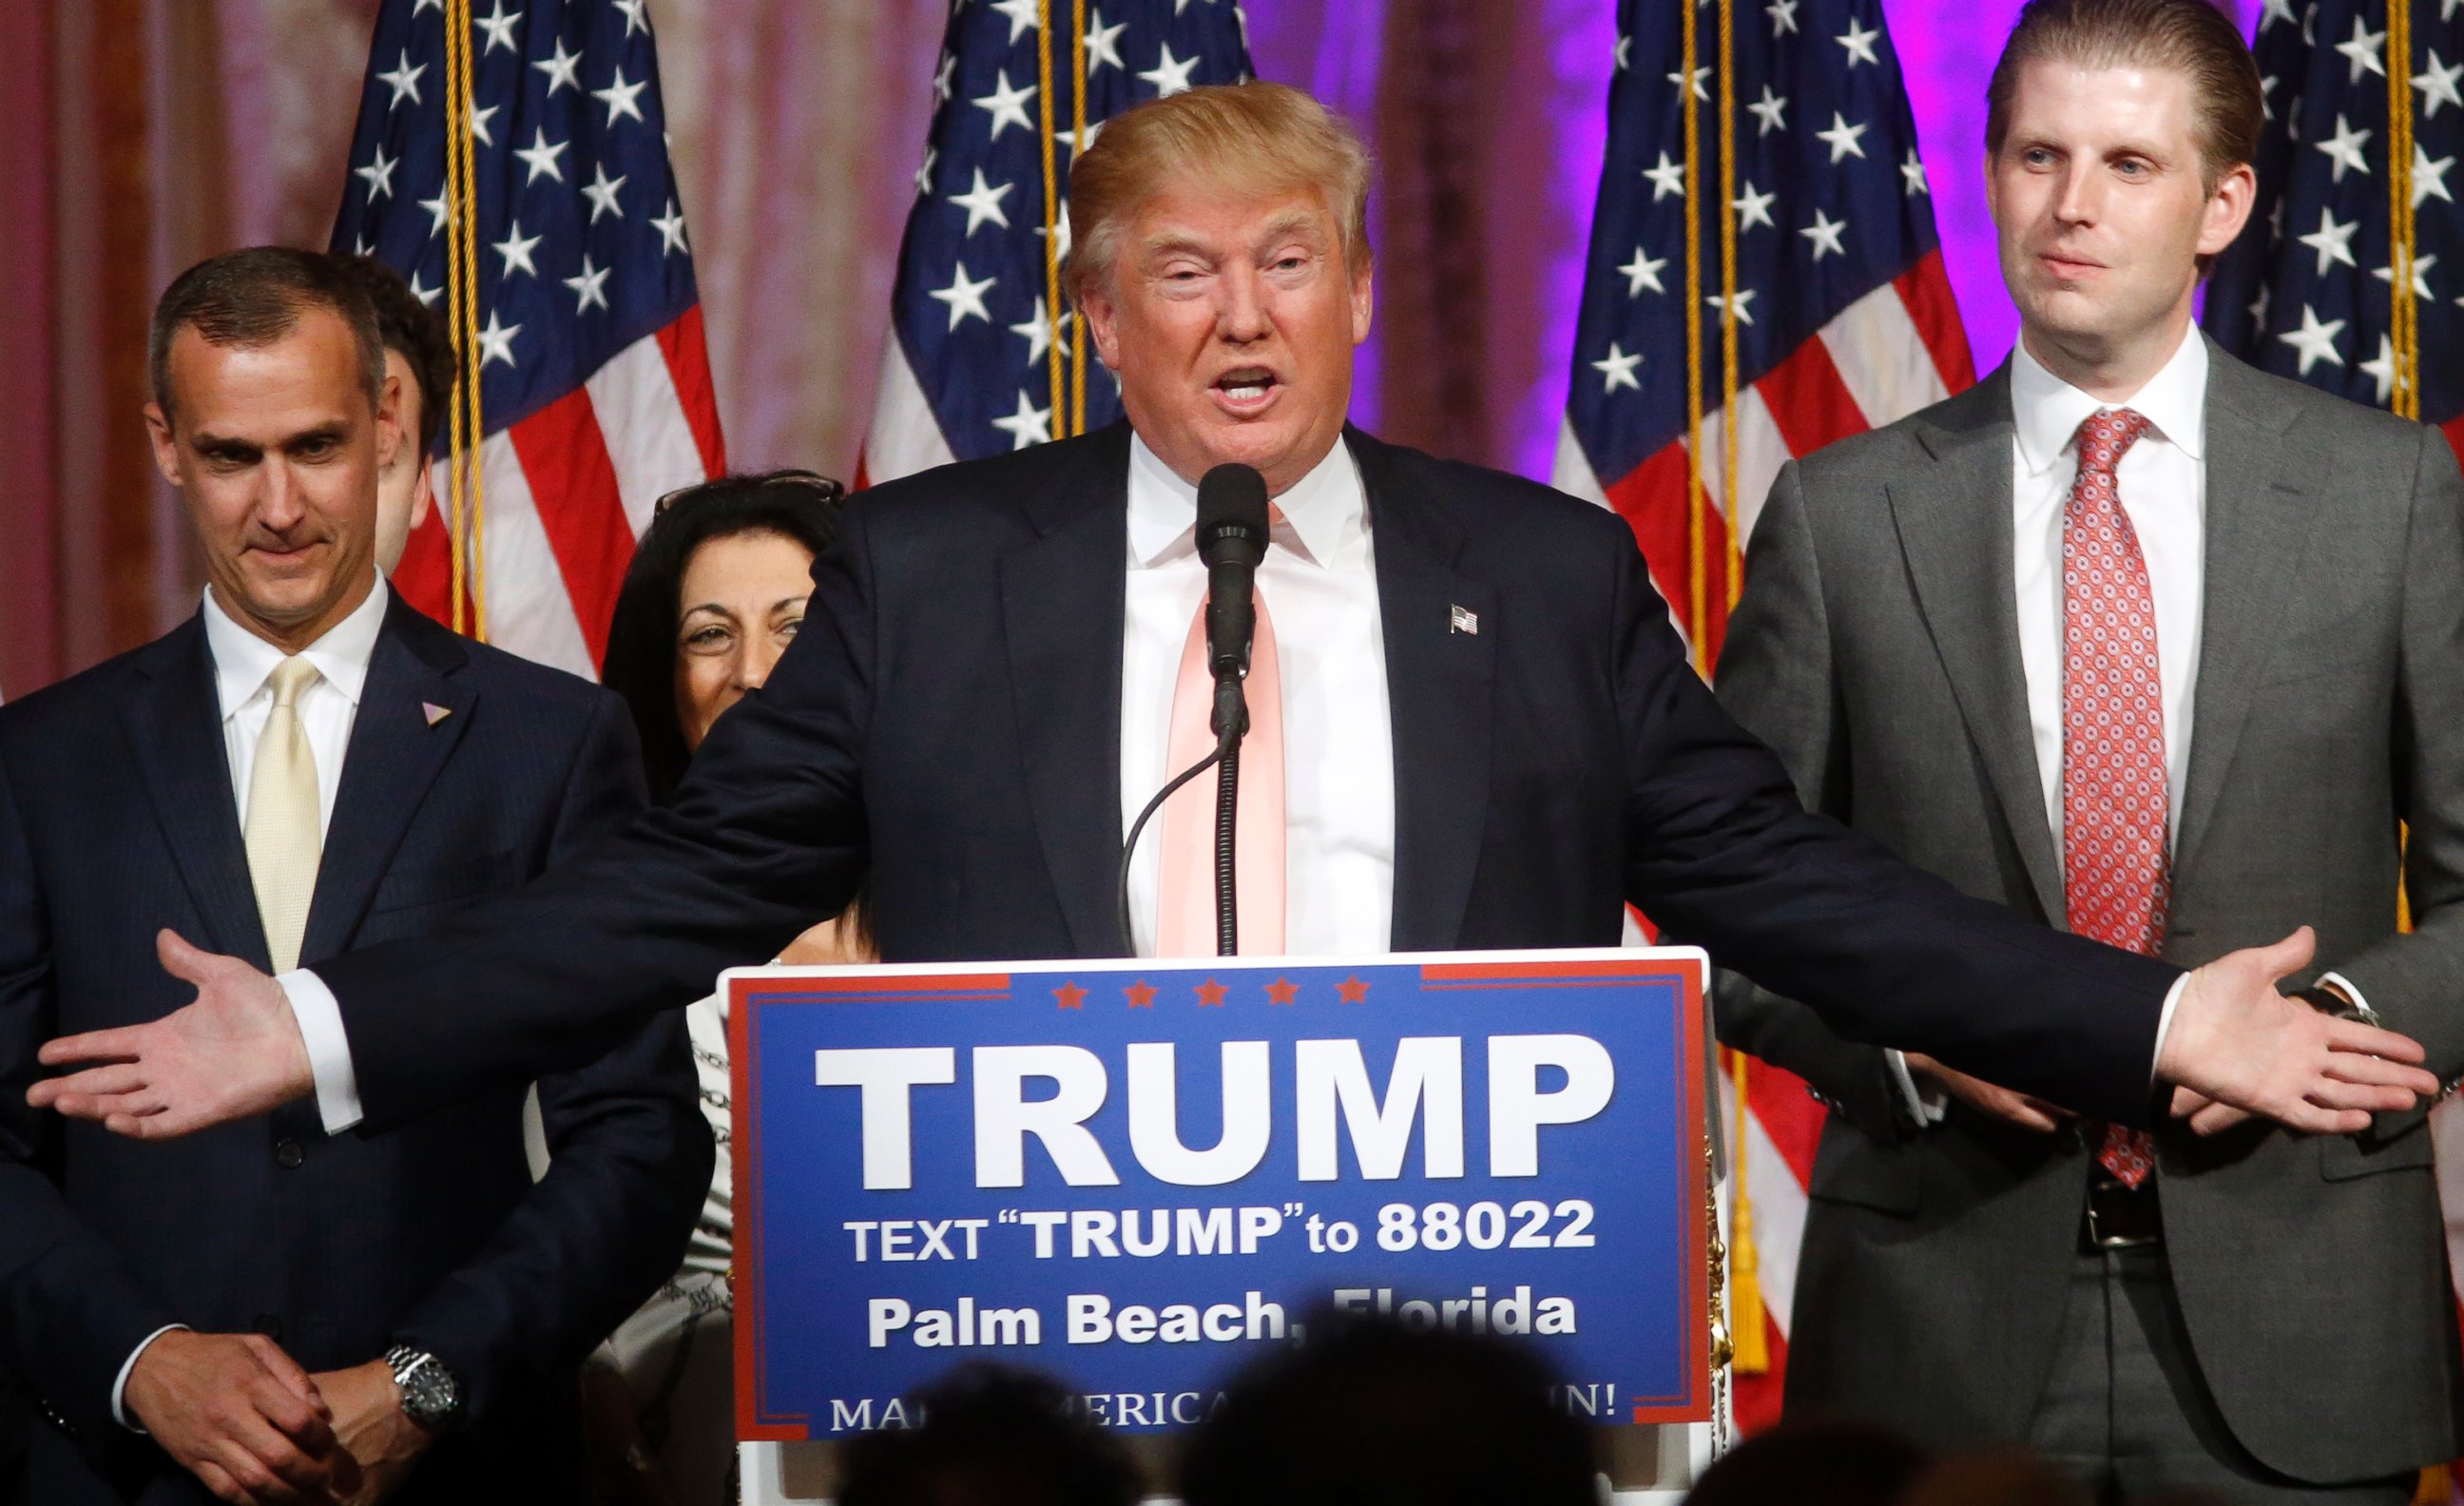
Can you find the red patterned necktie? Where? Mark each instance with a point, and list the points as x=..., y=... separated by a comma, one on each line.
x=2115, y=860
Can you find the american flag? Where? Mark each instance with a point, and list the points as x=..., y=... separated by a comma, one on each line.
x=2307, y=290
x=982, y=358
x=1845, y=320
x=594, y=375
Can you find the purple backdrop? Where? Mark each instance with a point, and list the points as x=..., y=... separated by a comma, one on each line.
x=1945, y=47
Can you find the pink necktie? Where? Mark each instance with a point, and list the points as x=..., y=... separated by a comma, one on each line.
x=1185, y=894
x=2116, y=865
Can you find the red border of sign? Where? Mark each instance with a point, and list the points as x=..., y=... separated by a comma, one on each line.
x=1694, y=1404
x=755, y=1423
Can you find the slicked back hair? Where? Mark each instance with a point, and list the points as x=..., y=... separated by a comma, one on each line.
x=2188, y=37
x=254, y=297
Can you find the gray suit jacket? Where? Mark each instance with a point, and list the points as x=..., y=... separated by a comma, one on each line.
x=1877, y=650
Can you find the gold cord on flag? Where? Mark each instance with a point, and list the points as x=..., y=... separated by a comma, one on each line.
x=1732, y=560
x=468, y=533
x=2404, y=312
x=1697, y=617
x=1054, y=355
x=457, y=276
x=1751, y=1343
x=1077, y=144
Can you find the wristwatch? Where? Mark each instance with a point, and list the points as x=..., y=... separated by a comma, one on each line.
x=431, y=1397
x=2332, y=1002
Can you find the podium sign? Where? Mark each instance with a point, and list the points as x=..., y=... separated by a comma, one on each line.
x=1140, y=1176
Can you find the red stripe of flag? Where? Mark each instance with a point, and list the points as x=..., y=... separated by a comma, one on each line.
x=572, y=484
x=1809, y=403
x=688, y=354
x=425, y=577
x=1648, y=497
x=1926, y=289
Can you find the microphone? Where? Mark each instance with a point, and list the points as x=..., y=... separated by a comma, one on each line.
x=1231, y=541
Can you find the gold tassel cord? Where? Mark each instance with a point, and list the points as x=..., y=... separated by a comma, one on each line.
x=1746, y=1333
x=1053, y=350
x=463, y=142
x=1729, y=315
x=1077, y=144
x=457, y=280
x=1698, y=615
x=2404, y=312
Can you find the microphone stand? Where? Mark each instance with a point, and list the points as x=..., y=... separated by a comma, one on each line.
x=1231, y=725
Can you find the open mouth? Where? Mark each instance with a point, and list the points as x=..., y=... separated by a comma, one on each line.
x=1245, y=392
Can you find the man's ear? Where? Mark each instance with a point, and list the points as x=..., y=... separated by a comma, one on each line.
x=1103, y=324
x=2228, y=209
x=166, y=446
x=1364, y=301
x=389, y=435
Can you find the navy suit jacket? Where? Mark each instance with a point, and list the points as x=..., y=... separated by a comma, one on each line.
x=949, y=718
x=117, y=818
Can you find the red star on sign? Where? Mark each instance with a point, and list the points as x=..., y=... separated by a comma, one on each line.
x=1280, y=992
x=1071, y=995
x=1210, y=993
x=1351, y=990
x=1141, y=995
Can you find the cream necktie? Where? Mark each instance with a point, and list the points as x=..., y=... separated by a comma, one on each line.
x=284, y=843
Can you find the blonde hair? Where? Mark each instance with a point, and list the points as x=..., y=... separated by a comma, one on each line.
x=2187, y=37
x=1255, y=137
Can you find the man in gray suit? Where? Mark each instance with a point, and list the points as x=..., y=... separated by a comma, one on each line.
x=2149, y=644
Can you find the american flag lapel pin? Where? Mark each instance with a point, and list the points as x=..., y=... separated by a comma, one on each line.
x=434, y=712
x=1460, y=620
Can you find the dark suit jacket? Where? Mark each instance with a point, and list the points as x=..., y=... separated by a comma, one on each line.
x=117, y=817
x=949, y=716
x=1877, y=649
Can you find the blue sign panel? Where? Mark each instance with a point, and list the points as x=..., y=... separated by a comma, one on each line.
x=1136, y=1176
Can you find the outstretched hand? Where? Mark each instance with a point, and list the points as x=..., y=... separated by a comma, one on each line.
x=234, y=1052
x=2236, y=1044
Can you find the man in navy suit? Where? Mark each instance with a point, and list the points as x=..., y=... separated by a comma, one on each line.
x=306, y=766
x=1490, y=738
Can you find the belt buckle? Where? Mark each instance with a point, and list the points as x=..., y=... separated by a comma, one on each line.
x=2098, y=1235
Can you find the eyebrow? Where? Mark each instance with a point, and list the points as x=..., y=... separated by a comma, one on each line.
x=724, y=611
x=332, y=433
x=1295, y=222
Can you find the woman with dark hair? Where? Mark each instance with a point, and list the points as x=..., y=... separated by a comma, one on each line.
x=715, y=594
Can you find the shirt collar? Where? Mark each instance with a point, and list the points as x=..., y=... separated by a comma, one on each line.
x=2048, y=410
x=1321, y=518
x=243, y=661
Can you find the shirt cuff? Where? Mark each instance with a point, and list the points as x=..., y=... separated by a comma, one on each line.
x=2165, y=1022
x=120, y=1386
x=320, y=1016
x=1921, y=1110
x=2346, y=988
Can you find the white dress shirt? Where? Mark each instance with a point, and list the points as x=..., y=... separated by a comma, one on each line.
x=1319, y=584
x=244, y=666
x=2163, y=481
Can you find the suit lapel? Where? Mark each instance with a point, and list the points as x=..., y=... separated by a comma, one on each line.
x=174, y=721
x=1062, y=610
x=1439, y=684
x=2257, y=511
x=395, y=753
x=1954, y=530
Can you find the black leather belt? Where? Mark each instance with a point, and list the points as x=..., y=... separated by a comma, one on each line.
x=2120, y=1216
